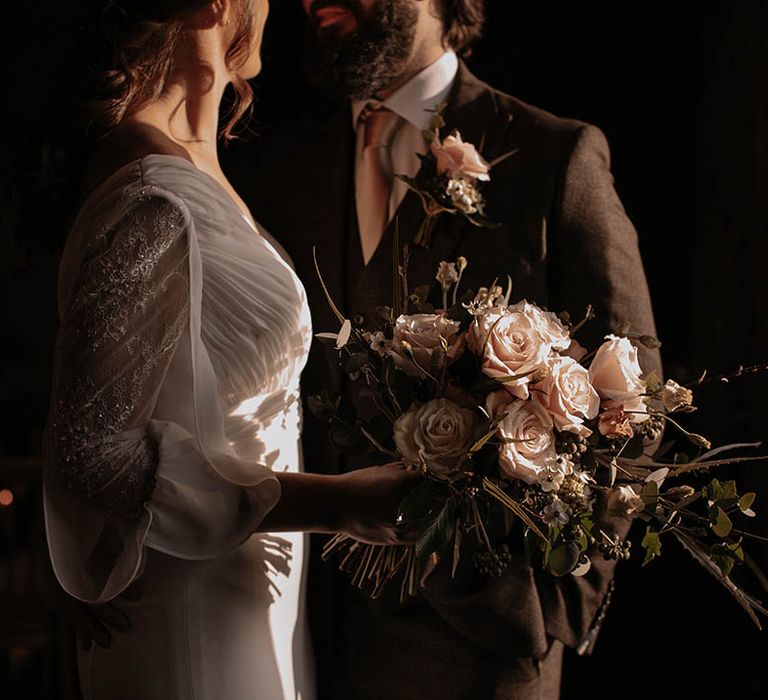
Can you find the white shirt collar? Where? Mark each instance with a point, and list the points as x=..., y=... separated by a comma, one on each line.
x=422, y=92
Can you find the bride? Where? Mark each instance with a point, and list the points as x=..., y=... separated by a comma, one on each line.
x=172, y=445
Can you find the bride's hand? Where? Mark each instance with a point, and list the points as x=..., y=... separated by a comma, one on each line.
x=370, y=500
x=362, y=504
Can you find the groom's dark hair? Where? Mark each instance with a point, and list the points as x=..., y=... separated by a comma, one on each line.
x=462, y=21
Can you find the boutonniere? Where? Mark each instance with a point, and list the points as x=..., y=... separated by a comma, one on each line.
x=450, y=179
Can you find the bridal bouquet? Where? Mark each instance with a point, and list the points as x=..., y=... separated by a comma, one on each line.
x=519, y=431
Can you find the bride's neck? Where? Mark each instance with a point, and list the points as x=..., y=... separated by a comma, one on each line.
x=187, y=109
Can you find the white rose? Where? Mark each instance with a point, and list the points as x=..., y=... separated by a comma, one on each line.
x=567, y=394
x=531, y=449
x=439, y=433
x=424, y=333
x=615, y=374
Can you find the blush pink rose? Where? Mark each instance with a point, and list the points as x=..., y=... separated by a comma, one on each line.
x=530, y=450
x=516, y=341
x=567, y=395
x=546, y=323
x=616, y=375
x=458, y=159
x=425, y=333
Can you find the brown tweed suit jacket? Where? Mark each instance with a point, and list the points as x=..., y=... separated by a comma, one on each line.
x=567, y=242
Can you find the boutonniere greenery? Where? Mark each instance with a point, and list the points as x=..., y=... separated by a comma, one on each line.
x=450, y=179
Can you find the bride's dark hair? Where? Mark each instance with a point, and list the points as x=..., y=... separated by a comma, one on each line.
x=121, y=56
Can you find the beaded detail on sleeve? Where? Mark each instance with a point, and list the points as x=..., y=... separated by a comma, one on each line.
x=119, y=329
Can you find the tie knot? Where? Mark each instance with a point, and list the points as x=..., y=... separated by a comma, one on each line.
x=377, y=123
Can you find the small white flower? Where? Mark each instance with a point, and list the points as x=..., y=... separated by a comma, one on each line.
x=486, y=300
x=378, y=343
x=556, y=513
x=464, y=195
x=551, y=477
x=447, y=275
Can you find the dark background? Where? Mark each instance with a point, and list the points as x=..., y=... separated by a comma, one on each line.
x=681, y=91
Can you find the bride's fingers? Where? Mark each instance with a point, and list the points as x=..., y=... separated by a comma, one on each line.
x=88, y=628
x=110, y=615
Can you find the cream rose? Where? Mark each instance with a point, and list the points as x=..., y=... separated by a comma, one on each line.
x=530, y=452
x=615, y=374
x=458, y=159
x=567, y=395
x=625, y=502
x=439, y=433
x=516, y=341
x=424, y=334
x=674, y=397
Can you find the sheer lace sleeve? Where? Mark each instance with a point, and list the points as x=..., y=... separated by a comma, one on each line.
x=121, y=321
x=121, y=475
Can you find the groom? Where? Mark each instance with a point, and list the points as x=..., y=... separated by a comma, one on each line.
x=328, y=183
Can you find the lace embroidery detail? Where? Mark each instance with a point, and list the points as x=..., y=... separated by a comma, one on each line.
x=118, y=335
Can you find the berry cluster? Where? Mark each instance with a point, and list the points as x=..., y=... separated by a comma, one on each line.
x=615, y=550
x=652, y=427
x=493, y=563
x=571, y=445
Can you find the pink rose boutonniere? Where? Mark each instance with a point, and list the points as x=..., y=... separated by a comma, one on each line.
x=450, y=178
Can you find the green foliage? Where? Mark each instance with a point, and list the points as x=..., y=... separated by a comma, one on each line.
x=421, y=501
x=721, y=523
x=563, y=559
x=725, y=555
x=723, y=494
x=437, y=533
x=650, y=493
x=652, y=545
x=323, y=405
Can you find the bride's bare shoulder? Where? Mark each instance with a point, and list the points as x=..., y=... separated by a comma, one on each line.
x=129, y=142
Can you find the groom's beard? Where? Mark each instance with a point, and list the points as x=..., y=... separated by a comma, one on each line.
x=370, y=57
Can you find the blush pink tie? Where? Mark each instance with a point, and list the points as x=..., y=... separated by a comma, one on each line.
x=373, y=176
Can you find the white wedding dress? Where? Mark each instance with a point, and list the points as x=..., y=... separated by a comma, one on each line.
x=175, y=399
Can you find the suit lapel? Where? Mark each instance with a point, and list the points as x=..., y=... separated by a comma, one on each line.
x=472, y=110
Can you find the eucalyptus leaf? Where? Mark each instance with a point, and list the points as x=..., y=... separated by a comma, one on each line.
x=721, y=523
x=419, y=502
x=745, y=504
x=722, y=493
x=650, y=493
x=563, y=559
x=437, y=534
x=652, y=545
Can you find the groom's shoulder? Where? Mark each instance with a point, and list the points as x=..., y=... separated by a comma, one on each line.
x=536, y=125
x=537, y=121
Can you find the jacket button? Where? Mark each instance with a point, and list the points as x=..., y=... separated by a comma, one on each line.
x=358, y=319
